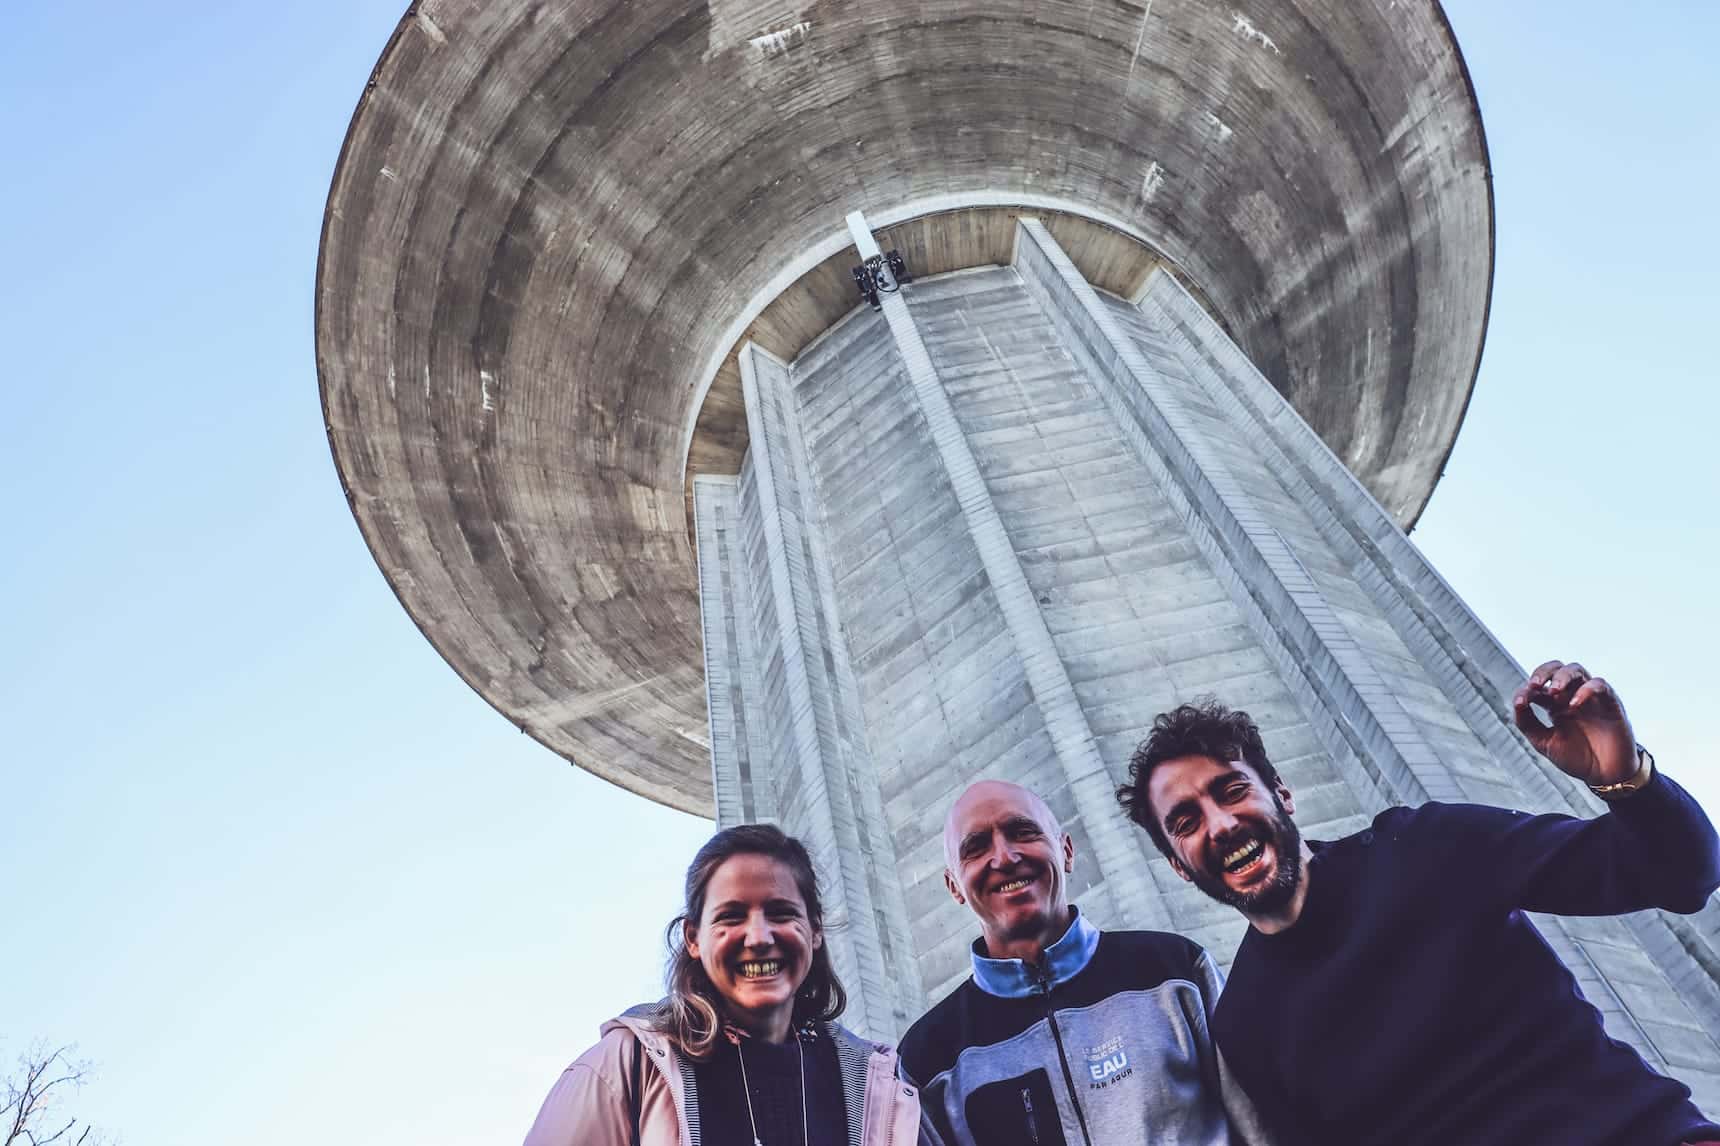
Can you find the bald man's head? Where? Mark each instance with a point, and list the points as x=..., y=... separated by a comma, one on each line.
x=983, y=791
x=1006, y=857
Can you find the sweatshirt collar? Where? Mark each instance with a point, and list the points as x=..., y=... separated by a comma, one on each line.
x=1062, y=961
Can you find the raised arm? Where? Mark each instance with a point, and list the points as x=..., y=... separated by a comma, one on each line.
x=1586, y=733
x=1653, y=848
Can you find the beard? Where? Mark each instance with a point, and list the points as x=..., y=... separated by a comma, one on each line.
x=1274, y=895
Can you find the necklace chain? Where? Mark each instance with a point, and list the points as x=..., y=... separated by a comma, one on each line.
x=746, y=1089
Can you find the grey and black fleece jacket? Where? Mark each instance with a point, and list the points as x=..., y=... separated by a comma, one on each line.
x=1106, y=1042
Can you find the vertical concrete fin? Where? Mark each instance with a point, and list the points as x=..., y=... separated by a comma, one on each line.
x=857, y=803
x=734, y=695
x=713, y=508
x=1065, y=722
x=1438, y=624
x=1386, y=756
x=824, y=759
x=1235, y=530
x=1469, y=663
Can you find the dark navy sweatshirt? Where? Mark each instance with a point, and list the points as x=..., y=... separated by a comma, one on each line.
x=1413, y=1002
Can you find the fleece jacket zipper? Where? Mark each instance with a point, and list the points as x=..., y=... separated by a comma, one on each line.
x=1042, y=979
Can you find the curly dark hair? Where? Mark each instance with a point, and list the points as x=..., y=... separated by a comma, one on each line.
x=1203, y=728
x=692, y=1013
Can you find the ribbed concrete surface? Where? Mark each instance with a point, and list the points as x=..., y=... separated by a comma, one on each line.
x=551, y=220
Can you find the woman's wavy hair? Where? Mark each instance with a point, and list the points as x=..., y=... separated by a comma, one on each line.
x=692, y=1013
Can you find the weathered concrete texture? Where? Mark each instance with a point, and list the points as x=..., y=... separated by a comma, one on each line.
x=1011, y=439
x=1135, y=616
x=551, y=220
x=781, y=661
x=736, y=738
x=932, y=245
x=1653, y=974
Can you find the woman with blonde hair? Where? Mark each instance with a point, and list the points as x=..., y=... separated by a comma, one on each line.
x=744, y=1050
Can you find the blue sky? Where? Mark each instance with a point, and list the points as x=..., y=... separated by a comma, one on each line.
x=285, y=878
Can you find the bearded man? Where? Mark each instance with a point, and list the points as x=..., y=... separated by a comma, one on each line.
x=1064, y=1033
x=1390, y=988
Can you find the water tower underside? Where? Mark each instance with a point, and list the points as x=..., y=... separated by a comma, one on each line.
x=554, y=221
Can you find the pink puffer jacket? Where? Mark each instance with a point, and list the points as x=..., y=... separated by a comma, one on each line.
x=588, y=1104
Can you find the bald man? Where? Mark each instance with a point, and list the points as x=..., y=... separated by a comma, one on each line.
x=1064, y=1034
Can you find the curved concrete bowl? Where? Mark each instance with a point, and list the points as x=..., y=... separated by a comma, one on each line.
x=551, y=222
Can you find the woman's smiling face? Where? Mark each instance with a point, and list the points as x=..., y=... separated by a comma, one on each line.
x=755, y=942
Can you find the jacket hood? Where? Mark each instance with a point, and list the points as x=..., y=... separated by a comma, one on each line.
x=868, y=1077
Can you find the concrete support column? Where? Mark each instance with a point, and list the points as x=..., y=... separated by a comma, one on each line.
x=774, y=633
x=1071, y=737
x=739, y=743
x=1652, y=969
x=1232, y=531
x=1686, y=948
x=877, y=919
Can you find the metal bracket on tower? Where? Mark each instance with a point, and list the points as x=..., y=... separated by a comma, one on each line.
x=879, y=275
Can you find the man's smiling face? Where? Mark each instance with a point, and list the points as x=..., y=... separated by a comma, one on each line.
x=1230, y=833
x=1006, y=859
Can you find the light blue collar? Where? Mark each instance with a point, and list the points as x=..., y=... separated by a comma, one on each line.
x=1063, y=960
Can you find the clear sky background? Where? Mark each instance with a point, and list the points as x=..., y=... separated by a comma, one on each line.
x=285, y=879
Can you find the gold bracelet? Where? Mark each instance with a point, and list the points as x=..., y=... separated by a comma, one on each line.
x=1635, y=782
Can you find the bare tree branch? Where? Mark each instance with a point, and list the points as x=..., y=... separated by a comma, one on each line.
x=45, y=1076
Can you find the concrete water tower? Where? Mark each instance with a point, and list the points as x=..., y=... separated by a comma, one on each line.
x=1197, y=297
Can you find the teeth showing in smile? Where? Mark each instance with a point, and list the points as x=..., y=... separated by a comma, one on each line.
x=759, y=968
x=1242, y=856
x=1012, y=886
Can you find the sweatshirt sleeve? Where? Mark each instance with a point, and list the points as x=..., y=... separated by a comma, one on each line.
x=1247, y=1127
x=1654, y=848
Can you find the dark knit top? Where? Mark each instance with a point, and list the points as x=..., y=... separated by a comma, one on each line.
x=773, y=1073
x=1413, y=1002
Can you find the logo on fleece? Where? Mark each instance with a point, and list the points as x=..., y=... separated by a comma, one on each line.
x=1107, y=1063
